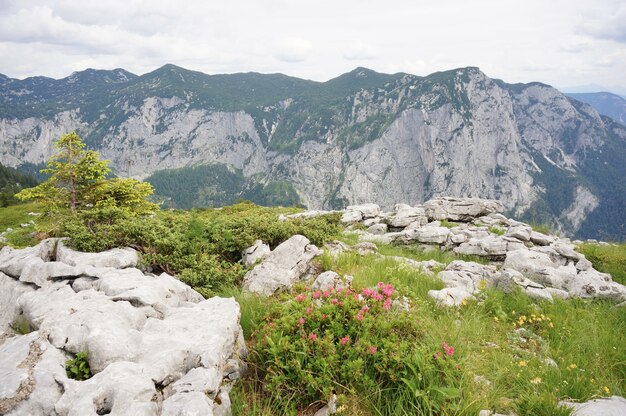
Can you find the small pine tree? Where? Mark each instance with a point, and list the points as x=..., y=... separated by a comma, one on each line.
x=78, y=180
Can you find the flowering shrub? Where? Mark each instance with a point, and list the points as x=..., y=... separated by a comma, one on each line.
x=344, y=341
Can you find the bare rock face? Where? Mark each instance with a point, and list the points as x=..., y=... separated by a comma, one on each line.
x=460, y=209
x=282, y=267
x=254, y=253
x=153, y=343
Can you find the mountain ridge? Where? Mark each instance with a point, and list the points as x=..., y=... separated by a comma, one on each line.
x=361, y=136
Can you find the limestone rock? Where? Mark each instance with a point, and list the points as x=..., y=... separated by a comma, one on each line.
x=121, y=388
x=366, y=210
x=32, y=372
x=378, y=229
x=254, y=253
x=10, y=291
x=450, y=296
x=429, y=234
x=609, y=406
x=404, y=214
x=460, y=209
x=329, y=280
x=118, y=258
x=282, y=267
x=336, y=248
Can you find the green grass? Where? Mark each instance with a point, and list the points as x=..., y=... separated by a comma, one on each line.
x=607, y=258
x=15, y=215
x=583, y=337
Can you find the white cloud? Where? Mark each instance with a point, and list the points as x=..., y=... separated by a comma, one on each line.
x=292, y=49
x=558, y=42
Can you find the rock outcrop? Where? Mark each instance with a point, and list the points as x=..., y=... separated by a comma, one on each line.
x=154, y=345
x=281, y=268
x=543, y=266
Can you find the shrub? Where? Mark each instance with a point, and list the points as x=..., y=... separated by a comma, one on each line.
x=78, y=368
x=343, y=341
x=202, y=247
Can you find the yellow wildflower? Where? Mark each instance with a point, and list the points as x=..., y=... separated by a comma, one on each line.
x=606, y=389
x=495, y=318
x=572, y=366
x=535, y=380
x=523, y=363
x=551, y=325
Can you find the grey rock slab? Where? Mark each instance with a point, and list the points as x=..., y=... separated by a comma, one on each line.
x=336, y=248
x=429, y=234
x=520, y=232
x=330, y=279
x=118, y=258
x=282, y=267
x=460, y=209
x=378, y=229
x=47, y=378
x=404, y=215
x=366, y=210
x=200, y=379
x=192, y=403
x=13, y=261
x=450, y=296
x=204, y=334
x=87, y=320
x=10, y=291
x=609, y=406
x=364, y=248
x=541, y=239
x=41, y=273
x=254, y=253
x=351, y=217
x=122, y=388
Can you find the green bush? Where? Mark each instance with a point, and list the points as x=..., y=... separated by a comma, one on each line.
x=201, y=247
x=78, y=368
x=352, y=343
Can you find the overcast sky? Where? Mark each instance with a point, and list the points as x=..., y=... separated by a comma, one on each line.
x=559, y=42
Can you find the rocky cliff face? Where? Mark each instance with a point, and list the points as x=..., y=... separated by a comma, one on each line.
x=360, y=137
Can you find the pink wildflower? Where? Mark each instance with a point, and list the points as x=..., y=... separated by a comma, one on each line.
x=324, y=316
x=359, y=316
x=327, y=293
x=387, y=304
x=334, y=301
x=365, y=308
x=437, y=355
x=368, y=293
x=379, y=297
x=381, y=285
x=300, y=297
x=309, y=310
x=313, y=336
x=373, y=349
x=345, y=340
x=317, y=294
x=301, y=321
x=388, y=290
x=448, y=349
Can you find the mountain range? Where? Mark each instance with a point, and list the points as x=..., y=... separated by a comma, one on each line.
x=207, y=140
x=608, y=104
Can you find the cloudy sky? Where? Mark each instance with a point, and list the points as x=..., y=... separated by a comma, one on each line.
x=559, y=42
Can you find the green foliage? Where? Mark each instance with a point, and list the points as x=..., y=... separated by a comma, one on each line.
x=22, y=326
x=494, y=229
x=320, y=342
x=78, y=368
x=217, y=185
x=78, y=181
x=607, y=258
x=11, y=182
x=203, y=247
